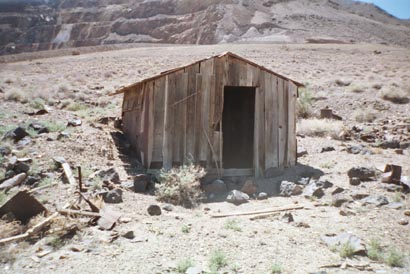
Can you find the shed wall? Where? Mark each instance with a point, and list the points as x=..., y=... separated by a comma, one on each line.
x=177, y=118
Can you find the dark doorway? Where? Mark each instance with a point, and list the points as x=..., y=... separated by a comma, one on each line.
x=237, y=127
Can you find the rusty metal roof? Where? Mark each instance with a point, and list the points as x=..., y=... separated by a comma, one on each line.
x=230, y=54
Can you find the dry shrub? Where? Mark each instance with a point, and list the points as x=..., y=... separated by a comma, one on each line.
x=320, y=128
x=396, y=96
x=304, y=104
x=16, y=96
x=9, y=229
x=181, y=185
x=364, y=115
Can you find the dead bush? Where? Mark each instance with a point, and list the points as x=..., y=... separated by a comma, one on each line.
x=16, y=96
x=342, y=83
x=304, y=104
x=320, y=128
x=180, y=186
x=396, y=96
x=364, y=115
x=357, y=89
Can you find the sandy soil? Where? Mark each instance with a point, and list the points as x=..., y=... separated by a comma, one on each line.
x=160, y=242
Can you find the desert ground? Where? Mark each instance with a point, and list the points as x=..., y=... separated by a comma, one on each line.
x=367, y=85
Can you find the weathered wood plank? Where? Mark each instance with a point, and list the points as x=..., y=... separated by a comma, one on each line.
x=257, y=132
x=150, y=122
x=292, y=143
x=178, y=130
x=168, y=122
x=159, y=102
x=191, y=112
x=198, y=118
x=182, y=108
x=270, y=117
x=282, y=127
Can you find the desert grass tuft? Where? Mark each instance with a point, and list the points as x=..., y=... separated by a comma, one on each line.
x=217, y=260
x=183, y=265
x=320, y=128
x=233, y=225
x=346, y=250
x=394, y=258
x=375, y=250
x=304, y=104
x=276, y=268
x=396, y=96
x=364, y=115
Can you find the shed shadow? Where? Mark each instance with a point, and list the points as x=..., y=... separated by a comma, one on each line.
x=268, y=185
x=126, y=154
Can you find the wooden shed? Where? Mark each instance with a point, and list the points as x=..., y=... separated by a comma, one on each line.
x=225, y=113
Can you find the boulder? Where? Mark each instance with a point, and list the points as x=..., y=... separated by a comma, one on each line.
x=312, y=190
x=262, y=196
x=362, y=173
x=339, y=199
x=113, y=196
x=327, y=149
x=337, y=241
x=74, y=123
x=376, y=200
x=39, y=128
x=141, y=182
x=128, y=235
x=249, y=187
x=288, y=189
x=154, y=210
x=4, y=150
x=21, y=167
x=354, y=181
x=23, y=142
x=338, y=190
x=359, y=196
x=216, y=187
x=16, y=134
x=14, y=181
x=237, y=197
x=109, y=175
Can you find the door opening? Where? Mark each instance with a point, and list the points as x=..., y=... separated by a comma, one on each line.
x=238, y=127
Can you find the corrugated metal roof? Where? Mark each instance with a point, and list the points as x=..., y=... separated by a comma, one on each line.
x=167, y=72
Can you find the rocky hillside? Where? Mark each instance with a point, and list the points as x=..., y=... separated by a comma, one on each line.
x=30, y=25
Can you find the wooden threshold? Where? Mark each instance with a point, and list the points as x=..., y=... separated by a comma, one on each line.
x=214, y=171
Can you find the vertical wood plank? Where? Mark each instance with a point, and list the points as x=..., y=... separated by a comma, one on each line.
x=256, y=132
x=270, y=113
x=282, y=126
x=292, y=142
x=177, y=135
x=150, y=122
x=183, y=107
x=191, y=112
x=198, y=118
x=159, y=111
x=168, y=123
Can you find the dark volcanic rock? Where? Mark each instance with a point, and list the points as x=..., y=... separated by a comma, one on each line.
x=362, y=173
x=288, y=189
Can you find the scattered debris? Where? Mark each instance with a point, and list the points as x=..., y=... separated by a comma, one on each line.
x=301, y=152
x=141, y=182
x=23, y=206
x=327, y=113
x=237, y=197
x=392, y=174
x=288, y=189
x=269, y=211
x=109, y=175
x=154, y=210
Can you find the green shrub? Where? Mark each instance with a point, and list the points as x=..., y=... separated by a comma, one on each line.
x=183, y=265
x=54, y=126
x=375, y=251
x=186, y=228
x=276, y=269
x=394, y=258
x=180, y=186
x=346, y=250
x=37, y=103
x=218, y=260
x=233, y=225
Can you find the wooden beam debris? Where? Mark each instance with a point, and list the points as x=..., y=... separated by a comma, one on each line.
x=258, y=212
